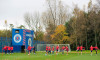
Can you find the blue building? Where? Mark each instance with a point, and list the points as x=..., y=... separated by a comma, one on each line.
x=21, y=39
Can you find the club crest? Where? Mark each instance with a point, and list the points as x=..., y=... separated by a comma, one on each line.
x=17, y=38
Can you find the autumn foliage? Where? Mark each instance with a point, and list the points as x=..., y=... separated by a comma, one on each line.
x=60, y=35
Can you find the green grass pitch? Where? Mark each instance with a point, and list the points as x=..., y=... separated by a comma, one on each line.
x=41, y=56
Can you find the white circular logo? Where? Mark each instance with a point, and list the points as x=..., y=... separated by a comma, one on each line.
x=29, y=41
x=17, y=38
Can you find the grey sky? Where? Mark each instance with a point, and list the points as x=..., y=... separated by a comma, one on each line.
x=14, y=10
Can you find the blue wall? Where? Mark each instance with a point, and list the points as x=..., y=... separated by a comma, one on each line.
x=23, y=38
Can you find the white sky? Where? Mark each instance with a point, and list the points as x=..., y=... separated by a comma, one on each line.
x=13, y=10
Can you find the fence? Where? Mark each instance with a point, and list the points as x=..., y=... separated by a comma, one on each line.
x=8, y=42
x=5, y=41
x=36, y=42
x=42, y=47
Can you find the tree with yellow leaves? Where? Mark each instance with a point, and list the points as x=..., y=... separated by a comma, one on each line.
x=60, y=36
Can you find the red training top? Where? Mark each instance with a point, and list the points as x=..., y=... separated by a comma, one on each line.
x=96, y=47
x=67, y=48
x=57, y=47
x=78, y=48
x=63, y=48
x=11, y=48
x=91, y=48
x=46, y=47
x=29, y=48
x=81, y=47
x=52, y=48
x=5, y=48
x=49, y=48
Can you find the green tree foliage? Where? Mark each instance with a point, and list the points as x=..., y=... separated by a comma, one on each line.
x=49, y=31
x=86, y=25
x=39, y=35
x=3, y=33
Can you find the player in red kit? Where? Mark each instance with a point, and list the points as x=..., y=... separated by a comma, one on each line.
x=9, y=49
x=57, y=47
x=12, y=49
x=67, y=49
x=46, y=50
x=53, y=50
x=78, y=49
x=63, y=49
x=49, y=48
x=96, y=48
x=81, y=48
x=29, y=49
x=91, y=48
x=5, y=49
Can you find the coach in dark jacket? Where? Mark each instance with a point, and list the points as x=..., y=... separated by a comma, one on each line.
x=34, y=49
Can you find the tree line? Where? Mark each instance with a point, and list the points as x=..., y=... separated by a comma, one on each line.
x=81, y=27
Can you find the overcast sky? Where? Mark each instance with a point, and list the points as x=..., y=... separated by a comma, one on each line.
x=13, y=10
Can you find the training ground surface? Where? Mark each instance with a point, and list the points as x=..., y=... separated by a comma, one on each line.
x=41, y=56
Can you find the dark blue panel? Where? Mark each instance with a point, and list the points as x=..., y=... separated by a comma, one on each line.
x=17, y=48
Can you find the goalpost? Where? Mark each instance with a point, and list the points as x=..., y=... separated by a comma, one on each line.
x=42, y=47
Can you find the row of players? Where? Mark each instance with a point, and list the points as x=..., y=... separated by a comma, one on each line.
x=91, y=48
x=8, y=49
x=48, y=49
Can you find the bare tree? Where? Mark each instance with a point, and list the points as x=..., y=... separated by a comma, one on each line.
x=27, y=19
x=55, y=14
x=62, y=13
x=32, y=20
x=52, y=9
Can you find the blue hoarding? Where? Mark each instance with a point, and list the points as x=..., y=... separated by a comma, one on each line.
x=17, y=38
x=22, y=37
